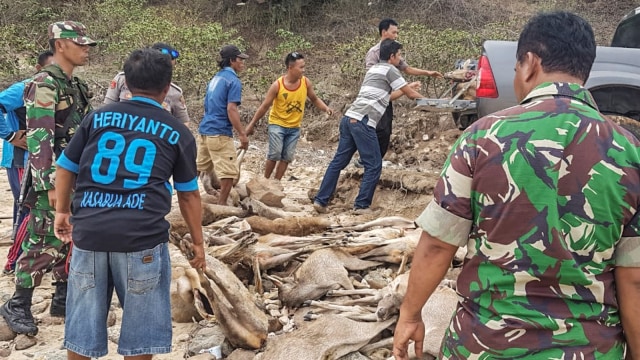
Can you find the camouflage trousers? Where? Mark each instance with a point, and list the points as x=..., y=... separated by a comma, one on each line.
x=42, y=252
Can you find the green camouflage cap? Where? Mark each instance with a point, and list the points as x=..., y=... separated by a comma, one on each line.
x=71, y=30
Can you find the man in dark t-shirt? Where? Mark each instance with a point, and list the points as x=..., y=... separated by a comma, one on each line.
x=121, y=159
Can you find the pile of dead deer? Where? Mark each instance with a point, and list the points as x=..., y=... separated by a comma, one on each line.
x=300, y=287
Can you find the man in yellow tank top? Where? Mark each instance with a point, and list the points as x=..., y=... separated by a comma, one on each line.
x=286, y=97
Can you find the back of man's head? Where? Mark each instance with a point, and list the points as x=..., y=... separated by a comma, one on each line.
x=43, y=58
x=563, y=41
x=385, y=24
x=389, y=47
x=148, y=71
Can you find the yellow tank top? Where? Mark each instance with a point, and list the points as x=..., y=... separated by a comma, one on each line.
x=288, y=107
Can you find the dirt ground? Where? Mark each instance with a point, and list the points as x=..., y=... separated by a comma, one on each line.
x=420, y=144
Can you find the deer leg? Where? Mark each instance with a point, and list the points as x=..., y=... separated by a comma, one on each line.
x=257, y=278
x=354, y=309
x=367, y=300
x=403, y=264
x=360, y=317
x=342, y=292
x=386, y=343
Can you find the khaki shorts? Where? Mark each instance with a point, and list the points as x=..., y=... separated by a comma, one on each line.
x=217, y=153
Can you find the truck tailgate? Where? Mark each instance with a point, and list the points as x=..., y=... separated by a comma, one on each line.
x=445, y=105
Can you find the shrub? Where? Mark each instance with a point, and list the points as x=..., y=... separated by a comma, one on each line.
x=423, y=48
x=15, y=48
x=289, y=42
x=351, y=55
x=198, y=43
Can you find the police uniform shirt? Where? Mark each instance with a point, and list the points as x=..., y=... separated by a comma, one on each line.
x=173, y=102
x=123, y=155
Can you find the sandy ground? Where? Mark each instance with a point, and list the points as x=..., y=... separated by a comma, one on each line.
x=302, y=174
x=51, y=331
x=420, y=162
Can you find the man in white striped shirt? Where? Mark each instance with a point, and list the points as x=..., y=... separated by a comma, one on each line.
x=382, y=83
x=388, y=29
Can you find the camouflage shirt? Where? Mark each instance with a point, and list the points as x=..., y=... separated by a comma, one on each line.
x=55, y=107
x=544, y=195
x=173, y=102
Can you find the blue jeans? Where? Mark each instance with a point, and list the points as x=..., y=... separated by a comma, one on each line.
x=354, y=136
x=141, y=280
x=282, y=143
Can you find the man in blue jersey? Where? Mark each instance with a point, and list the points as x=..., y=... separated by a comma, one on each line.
x=121, y=159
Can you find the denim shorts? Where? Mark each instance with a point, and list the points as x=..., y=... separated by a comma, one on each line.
x=141, y=280
x=282, y=142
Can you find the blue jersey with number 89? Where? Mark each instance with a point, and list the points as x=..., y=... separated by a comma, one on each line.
x=124, y=155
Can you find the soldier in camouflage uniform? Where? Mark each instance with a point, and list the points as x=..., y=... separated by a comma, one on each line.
x=173, y=102
x=545, y=197
x=55, y=101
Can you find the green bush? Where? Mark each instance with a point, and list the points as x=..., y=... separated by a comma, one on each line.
x=426, y=48
x=257, y=79
x=289, y=42
x=198, y=42
x=423, y=48
x=352, y=55
x=199, y=46
x=110, y=16
x=15, y=49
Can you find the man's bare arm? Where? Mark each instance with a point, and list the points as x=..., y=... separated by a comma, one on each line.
x=234, y=118
x=628, y=293
x=420, y=72
x=191, y=210
x=64, y=185
x=430, y=263
x=62, y=227
x=416, y=85
x=410, y=92
x=266, y=104
x=311, y=94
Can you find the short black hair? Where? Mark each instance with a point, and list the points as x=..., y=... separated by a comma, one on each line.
x=564, y=42
x=389, y=47
x=44, y=56
x=291, y=58
x=148, y=70
x=385, y=24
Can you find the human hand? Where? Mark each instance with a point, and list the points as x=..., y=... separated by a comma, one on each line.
x=52, y=197
x=244, y=141
x=416, y=85
x=198, y=261
x=62, y=227
x=436, y=74
x=408, y=329
x=20, y=140
x=330, y=111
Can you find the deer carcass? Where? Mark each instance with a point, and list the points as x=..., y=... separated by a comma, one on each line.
x=322, y=271
x=328, y=337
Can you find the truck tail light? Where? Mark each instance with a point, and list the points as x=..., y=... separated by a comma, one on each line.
x=486, y=82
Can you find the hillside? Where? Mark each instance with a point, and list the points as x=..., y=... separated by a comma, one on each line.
x=334, y=35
